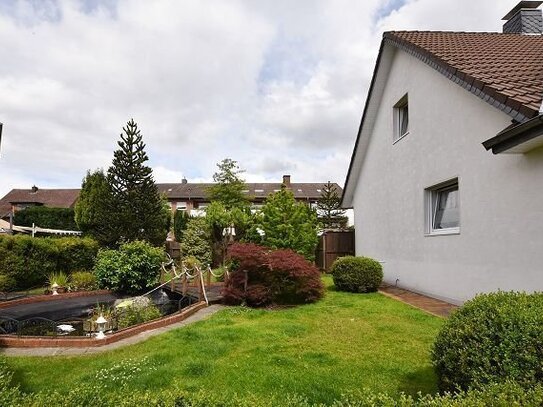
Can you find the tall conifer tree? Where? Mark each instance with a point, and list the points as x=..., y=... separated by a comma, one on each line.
x=331, y=215
x=139, y=212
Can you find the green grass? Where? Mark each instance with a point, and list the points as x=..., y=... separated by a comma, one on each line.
x=344, y=342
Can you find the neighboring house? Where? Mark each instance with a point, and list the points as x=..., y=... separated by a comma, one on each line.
x=194, y=197
x=444, y=215
x=190, y=197
x=18, y=199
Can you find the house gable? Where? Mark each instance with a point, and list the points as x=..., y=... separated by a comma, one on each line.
x=503, y=70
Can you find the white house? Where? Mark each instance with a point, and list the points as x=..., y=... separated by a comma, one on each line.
x=446, y=177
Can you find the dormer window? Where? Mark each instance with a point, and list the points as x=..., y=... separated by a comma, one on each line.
x=401, y=118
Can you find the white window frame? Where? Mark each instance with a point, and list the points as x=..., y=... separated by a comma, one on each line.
x=399, y=116
x=431, y=199
x=181, y=206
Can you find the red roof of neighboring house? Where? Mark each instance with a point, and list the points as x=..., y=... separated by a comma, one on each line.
x=57, y=198
x=504, y=69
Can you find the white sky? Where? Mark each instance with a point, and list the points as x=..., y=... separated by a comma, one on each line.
x=277, y=85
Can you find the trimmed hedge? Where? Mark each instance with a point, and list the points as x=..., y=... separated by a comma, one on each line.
x=46, y=217
x=357, y=274
x=131, y=269
x=26, y=260
x=492, y=338
x=261, y=276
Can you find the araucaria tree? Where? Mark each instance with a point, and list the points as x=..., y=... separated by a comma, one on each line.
x=287, y=224
x=138, y=210
x=330, y=213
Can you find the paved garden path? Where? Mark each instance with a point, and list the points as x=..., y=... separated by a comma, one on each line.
x=431, y=305
x=202, y=314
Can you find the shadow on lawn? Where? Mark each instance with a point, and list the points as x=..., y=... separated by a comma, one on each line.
x=422, y=380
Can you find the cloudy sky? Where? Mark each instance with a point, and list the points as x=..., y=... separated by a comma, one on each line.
x=277, y=85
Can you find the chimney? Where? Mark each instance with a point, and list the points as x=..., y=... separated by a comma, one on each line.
x=286, y=181
x=524, y=18
x=34, y=189
x=184, y=180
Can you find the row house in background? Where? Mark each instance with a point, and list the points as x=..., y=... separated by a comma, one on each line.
x=185, y=196
x=194, y=197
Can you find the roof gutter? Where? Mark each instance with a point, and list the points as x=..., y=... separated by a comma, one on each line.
x=518, y=139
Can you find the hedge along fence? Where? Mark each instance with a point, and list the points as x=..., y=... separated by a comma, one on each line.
x=45, y=217
x=26, y=261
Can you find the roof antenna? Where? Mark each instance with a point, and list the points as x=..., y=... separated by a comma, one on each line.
x=1, y=125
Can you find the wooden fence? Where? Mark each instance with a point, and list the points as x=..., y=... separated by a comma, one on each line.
x=334, y=244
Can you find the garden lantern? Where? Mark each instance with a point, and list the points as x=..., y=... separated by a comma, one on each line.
x=101, y=326
x=54, y=287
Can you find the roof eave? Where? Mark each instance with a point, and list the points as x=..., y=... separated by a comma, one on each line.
x=347, y=202
x=519, y=139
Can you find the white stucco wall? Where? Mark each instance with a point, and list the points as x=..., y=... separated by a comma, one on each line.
x=500, y=245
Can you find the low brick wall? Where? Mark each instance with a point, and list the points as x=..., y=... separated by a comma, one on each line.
x=14, y=341
x=49, y=297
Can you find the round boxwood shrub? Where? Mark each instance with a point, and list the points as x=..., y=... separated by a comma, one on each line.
x=357, y=274
x=493, y=338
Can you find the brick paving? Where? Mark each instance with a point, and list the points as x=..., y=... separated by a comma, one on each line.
x=431, y=305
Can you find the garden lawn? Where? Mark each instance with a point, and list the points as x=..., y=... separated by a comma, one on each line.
x=342, y=343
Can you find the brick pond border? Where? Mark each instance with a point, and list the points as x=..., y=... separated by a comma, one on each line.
x=14, y=341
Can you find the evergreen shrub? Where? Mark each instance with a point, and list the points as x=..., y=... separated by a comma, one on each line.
x=357, y=274
x=27, y=260
x=131, y=269
x=491, y=338
x=196, y=241
x=261, y=276
x=180, y=221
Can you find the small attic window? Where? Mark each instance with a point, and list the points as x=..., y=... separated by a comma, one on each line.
x=401, y=118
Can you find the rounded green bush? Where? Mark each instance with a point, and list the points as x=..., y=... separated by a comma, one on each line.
x=357, y=274
x=133, y=268
x=493, y=338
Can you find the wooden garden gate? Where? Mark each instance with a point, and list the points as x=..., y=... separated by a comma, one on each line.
x=334, y=244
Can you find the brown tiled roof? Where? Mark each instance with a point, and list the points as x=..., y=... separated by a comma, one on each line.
x=65, y=198
x=504, y=69
x=310, y=191
x=57, y=198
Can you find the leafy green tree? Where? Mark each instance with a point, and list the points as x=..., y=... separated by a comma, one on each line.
x=93, y=210
x=229, y=186
x=196, y=241
x=288, y=224
x=330, y=213
x=140, y=213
